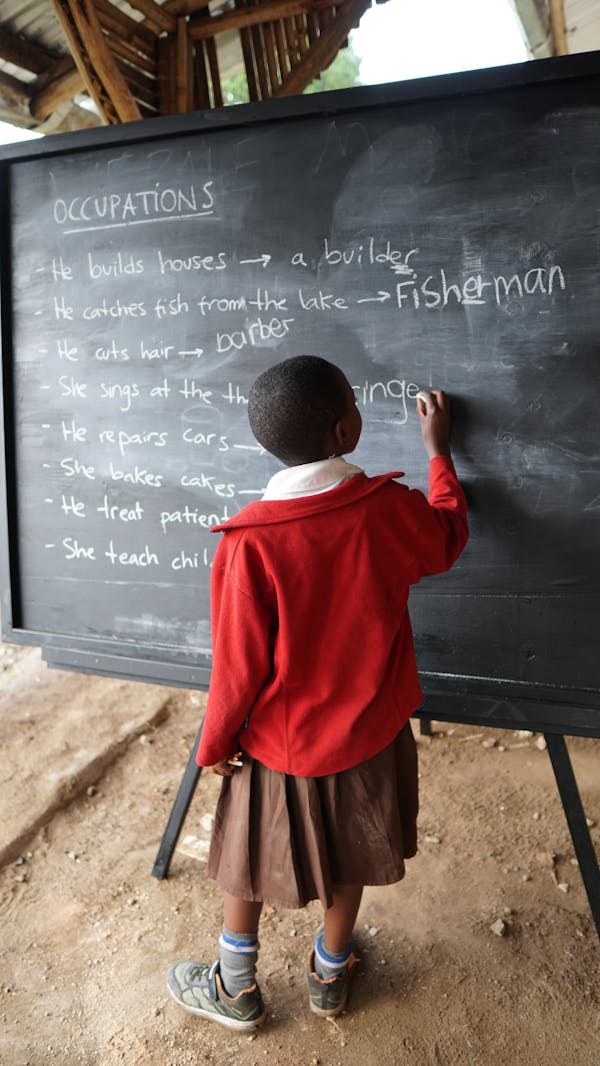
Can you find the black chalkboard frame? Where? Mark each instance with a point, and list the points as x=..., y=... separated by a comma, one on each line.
x=482, y=700
x=444, y=86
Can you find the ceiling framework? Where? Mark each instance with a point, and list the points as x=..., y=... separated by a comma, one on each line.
x=140, y=58
x=95, y=62
x=559, y=27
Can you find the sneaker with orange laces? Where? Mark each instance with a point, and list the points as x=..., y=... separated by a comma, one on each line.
x=198, y=989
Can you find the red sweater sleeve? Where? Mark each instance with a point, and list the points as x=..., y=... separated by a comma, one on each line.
x=241, y=642
x=441, y=528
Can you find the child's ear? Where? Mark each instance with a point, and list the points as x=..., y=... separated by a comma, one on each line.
x=341, y=435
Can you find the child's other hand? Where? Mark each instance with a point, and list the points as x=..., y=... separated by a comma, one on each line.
x=222, y=769
x=226, y=768
x=433, y=409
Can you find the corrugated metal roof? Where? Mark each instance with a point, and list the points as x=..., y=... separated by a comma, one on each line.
x=582, y=19
x=37, y=21
x=34, y=19
x=583, y=25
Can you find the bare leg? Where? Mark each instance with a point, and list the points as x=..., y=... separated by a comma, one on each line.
x=241, y=915
x=341, y=916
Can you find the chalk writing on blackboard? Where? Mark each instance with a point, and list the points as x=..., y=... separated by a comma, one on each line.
x=170, y=409
x=134, y=207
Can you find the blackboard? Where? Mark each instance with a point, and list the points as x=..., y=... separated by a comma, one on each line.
x=441, y=233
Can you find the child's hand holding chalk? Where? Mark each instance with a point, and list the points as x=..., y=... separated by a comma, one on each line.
x=422, y=403
x=433, y=409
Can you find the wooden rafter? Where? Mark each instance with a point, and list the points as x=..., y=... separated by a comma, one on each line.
x=259, y=58
x=103, y=79
x=207, y=26
x=322, y=53
x=56, y=87
x=184, y=7
x=25, y=54
x=183, y=75
x=558, y=27
x=14, y=101
x=118, y=24
x=156, y=16
x=202, y=85
x=15, y=109
x=132, y=55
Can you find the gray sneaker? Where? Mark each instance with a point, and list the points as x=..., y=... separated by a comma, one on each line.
x=197, y=987
x=328, y=996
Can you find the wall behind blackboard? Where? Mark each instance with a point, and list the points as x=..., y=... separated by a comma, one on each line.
x=433, y=234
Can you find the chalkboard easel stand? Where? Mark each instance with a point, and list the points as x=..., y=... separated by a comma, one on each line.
x=565, y=780
x=578, y=827
x=179, y=810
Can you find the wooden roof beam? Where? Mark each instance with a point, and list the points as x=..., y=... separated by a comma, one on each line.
x=69, y=118
x=156, y=16
x=25, y=54
x=135, y=33
x=558, y=27
x=123, y=48
x=183, y=68
x=322, y=53
x=14, y=108
x=207, y=26
x=173, y=9
x=14, y=102
x=184, y=7
x=54, y=88
x=103, y=79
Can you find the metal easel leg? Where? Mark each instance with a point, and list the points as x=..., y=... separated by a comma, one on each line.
x=179, y=810
x=580, y=834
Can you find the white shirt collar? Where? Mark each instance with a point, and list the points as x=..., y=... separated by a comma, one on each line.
x=309, y=479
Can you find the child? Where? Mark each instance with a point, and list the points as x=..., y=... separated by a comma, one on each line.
x=314, y=680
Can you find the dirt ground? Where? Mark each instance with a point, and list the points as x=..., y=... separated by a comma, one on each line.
x=87, y=934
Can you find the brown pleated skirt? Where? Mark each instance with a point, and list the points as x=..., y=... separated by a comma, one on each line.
x=287, y=840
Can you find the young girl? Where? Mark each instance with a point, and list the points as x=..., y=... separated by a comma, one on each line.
x=314, y=680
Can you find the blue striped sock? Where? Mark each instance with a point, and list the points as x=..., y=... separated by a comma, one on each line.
x=329, y=963
x=238, y=955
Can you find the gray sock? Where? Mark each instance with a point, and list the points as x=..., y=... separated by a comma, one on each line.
x=329, y=963
x=238, y=954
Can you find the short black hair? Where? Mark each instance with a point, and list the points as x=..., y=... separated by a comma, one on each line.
x=294, y=405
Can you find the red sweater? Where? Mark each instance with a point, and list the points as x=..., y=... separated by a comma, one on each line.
x=313, y=661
